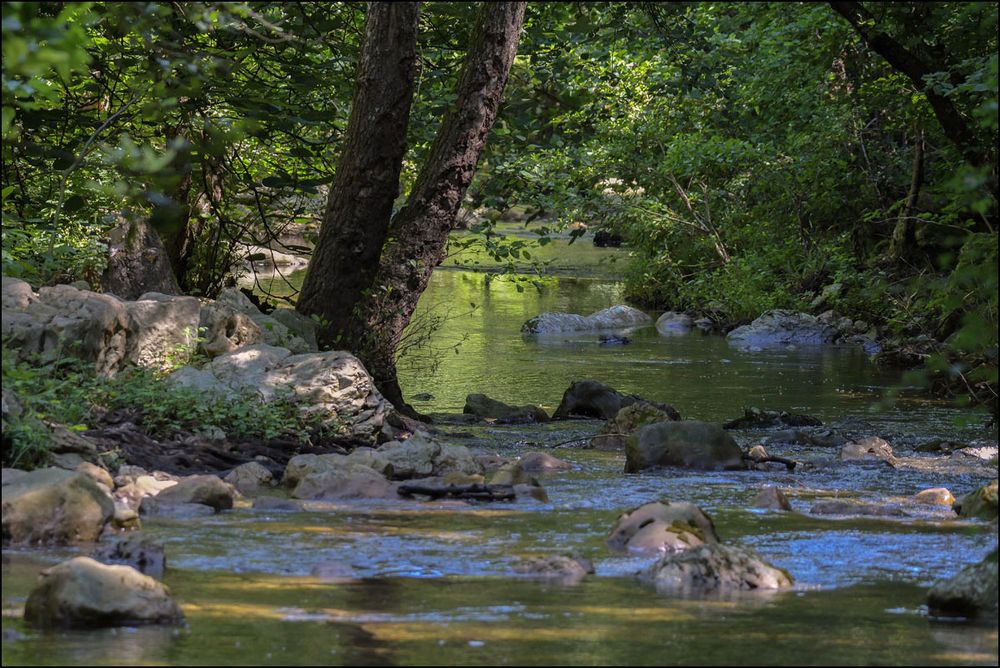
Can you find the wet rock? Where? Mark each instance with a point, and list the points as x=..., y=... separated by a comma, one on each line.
x=686, y=444
x=592, y=399
x=936, y=496
x=821, y=439
x=97, y=474
x=275, y=503
x=333, y=385
x=421, y=456
x=562, y=569
x=543, y=462
x=150, y=506
x=672, y=322
x=661, y=526
x=82, y=592
x=482, y=406
x=345, y=482
x=52, y=506
x=757, y=418
x=207, y=490
x=850, y=507
x=616, y=317
x=512, y=474
x=125, y=518
x=871, y=448
x=972, y=593
x=985, y=453
x=981, y=503
x=250, y=479
x=422, y=396
x=136, y=549
x=771, y=498
x=780, y=328
x=533, y=491
x=615, y=431
x=713, y=568
x=613, y=340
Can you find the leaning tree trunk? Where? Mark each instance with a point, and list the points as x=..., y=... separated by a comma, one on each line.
x=904, y=234
x=359, y=208
x=420, y=229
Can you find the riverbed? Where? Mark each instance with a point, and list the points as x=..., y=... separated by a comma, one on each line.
x=385, y=583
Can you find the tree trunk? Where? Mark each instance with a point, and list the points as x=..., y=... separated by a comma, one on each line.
x=955, y=128
x=359, y=208
x=420, y=230
x=904, y=235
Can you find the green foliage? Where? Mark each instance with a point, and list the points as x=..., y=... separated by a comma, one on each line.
x=67, y=391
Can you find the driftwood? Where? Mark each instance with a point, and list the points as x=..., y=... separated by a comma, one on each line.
x=477, y=492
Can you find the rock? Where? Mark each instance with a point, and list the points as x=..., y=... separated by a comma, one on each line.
x=421, y=456
x=686, y=444
x=713, y=568
x=771, y=498
x=207, y=490
x=225, y=329
x=616, y=317
x=332, y=385
x=250, y=478
x=607, y=239
x=52, y=506
x=592, y=399
x=512, y=474
x=137, y=550
x=275, y=503
x=373, y=459
x=276, y=332
x=756, y=418
x=757, y=453
x=972, y=593
x=125, y=518
x=936, y=496
x=613, y=340
x=82, y=592
x=138, y=262
x=543, y=462
x=563, y=569
x=780, y=328
x=615, y=431
x=981, y=503
x=848, y=507
x=986, y=453
x=822, y=439
x=661, y=526
x=672, y=322
x=532, y=491
x=97, y=474
x=871, y=448
x=162, y=329
x=346, y=481
x=830, y=292
x=11, y=475
x=482, y=406
x=150, y=506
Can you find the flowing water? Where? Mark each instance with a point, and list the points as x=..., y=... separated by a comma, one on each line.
x=383, y=583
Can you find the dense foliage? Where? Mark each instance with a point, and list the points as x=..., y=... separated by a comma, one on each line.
x=752, y=154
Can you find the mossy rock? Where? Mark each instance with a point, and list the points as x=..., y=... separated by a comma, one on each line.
x=981, y=503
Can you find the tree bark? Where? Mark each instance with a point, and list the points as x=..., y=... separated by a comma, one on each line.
x=419, y=232
x=955, y=128
x=904, y=235
x=366, y=184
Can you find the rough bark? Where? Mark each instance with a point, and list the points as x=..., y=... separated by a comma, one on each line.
x=904, y=235
x=420, y=230
x=137, y=263
x=359, y=207
x=955, y=128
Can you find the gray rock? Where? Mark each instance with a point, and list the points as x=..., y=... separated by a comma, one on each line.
x=135, y=549
x=712, y=568
x=82, y=592
x=275, y=332
x=629, y=418
x=150, y=506
x=250, y=479
x=661, y=526
x=771, y=498
x=346, y=481
x=850, y=507
x=593, y=399
x=482, y=406
x=207, y=490
x=616, y=317
x=972, y=593
x=543, y=462
x=981, y=503
x=756, y=418
x=225, y=329
x=564, y=570
x=672, y=323
x=53, y=507
x=872, y=448
x=780, y=328
x=686, y=444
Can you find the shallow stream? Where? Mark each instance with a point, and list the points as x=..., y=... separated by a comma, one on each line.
x=384, y=583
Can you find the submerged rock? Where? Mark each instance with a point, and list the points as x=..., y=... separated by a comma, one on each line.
x=714, y=568
x=850, y=507
x=871, y=448
x=661, y=526
x=82, y=592
x=136, y=549
x=672, y=322
x=616, y=317
x=757, y=418
x=54, y=507
x=543, y=462
x=972, y=593
x=686, y=444
x=593, y=399
x=482, y=406
x=771, y=498
x=615, y=431
x=981, y=503
x=780, y=327
x=562, y=569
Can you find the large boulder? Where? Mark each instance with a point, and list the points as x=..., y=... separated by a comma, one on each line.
x=972, y=593
x=686, y=444
x=714, y=568
x=292, y=331
x=82, y=592
x=250, y=479
x=207, y=490
x=332, y=385
x=349, y=480
x=138, y=262
x=224, y=329
x=781, y=327
x=482, y=406
x=616, y=317
x=661, y=526
x=54, y=507
x=155, y=330
x=981, y=503
x=615, y=431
